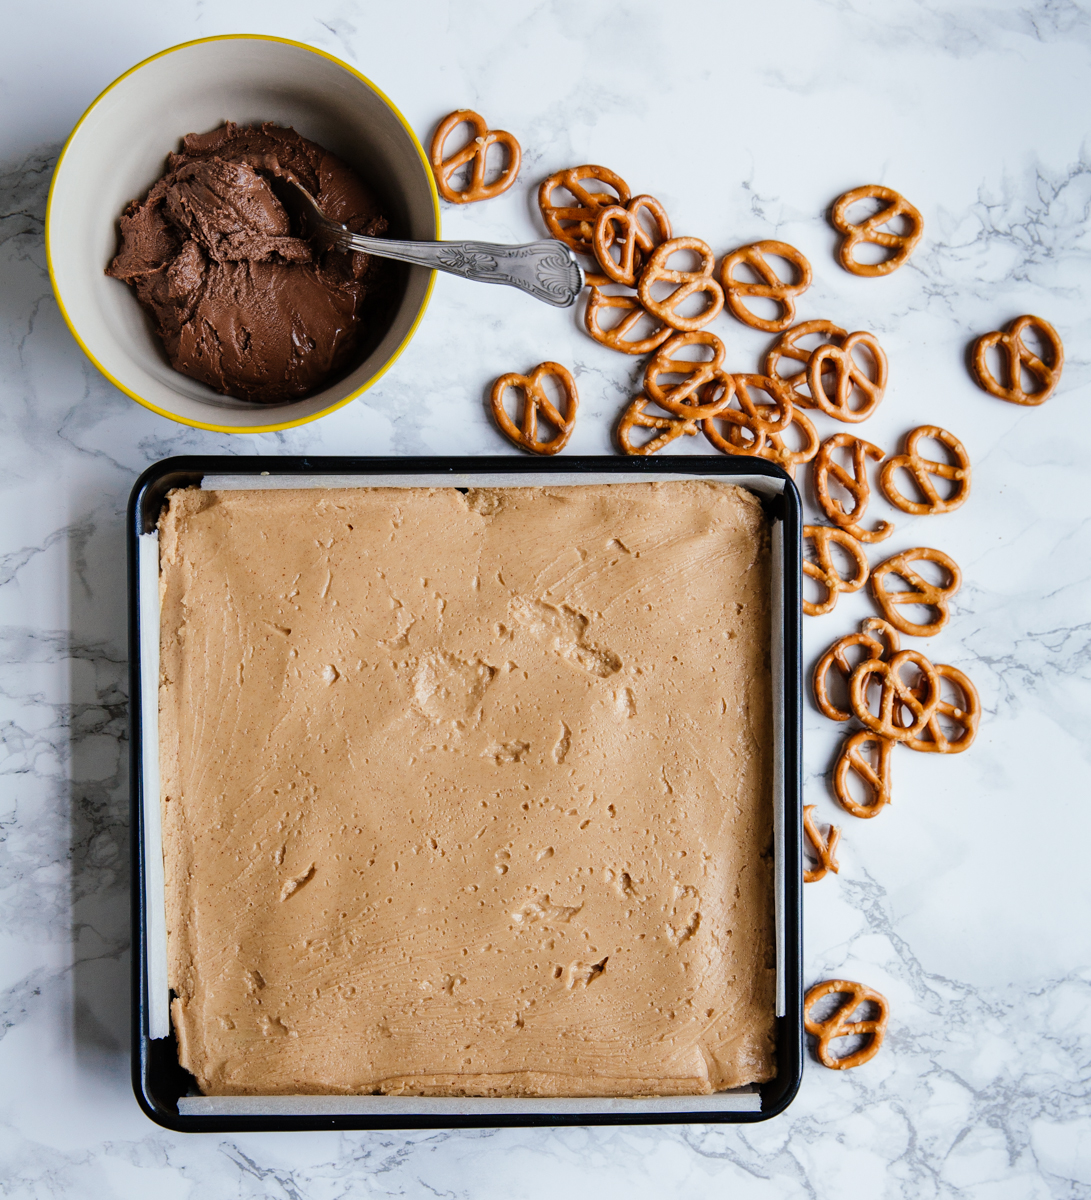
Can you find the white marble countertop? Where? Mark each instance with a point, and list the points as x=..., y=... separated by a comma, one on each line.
x=966, y=903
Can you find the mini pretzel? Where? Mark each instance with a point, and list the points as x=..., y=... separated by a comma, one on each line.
x=775, y=449
x=837, y=1024
x=686, y=399
x=825, y=848
x=778, y=452
x=876, y=778
x=534, y=398
x=760, y=421
x=635, y=416
x=690, y=283
x=619, y=225
x=836, y=656
x=897, y=698
x=922, y=592
x=771, y=287
x=968, y=717
x=826, y=572
x=870, y=229
x=477, y=149
x=1016, y=356
x=787, y=346
x=615, y=336
x=855, y=483
x=574, y=224
x=770, y=446
x=845, y=374
x=921, y=468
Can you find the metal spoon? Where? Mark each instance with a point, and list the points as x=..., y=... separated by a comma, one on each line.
x=546, y=270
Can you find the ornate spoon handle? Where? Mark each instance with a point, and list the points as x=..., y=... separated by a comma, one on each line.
x=546, y=270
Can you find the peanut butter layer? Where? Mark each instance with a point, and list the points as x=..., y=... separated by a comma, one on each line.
x=468, y=794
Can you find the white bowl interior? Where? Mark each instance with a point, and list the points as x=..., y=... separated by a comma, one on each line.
x=119, y=151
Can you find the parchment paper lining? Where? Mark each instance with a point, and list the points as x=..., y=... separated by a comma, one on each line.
x=741, y=1100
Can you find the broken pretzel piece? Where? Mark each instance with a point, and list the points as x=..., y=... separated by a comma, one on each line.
x=825, y=848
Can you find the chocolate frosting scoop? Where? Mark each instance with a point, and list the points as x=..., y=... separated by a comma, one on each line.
x=238, y=302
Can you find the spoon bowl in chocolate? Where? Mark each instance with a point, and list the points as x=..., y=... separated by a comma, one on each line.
x=546, y=270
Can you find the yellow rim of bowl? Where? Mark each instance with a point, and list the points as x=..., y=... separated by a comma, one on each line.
x=233, y=37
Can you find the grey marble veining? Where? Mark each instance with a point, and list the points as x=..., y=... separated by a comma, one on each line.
x=966, y=902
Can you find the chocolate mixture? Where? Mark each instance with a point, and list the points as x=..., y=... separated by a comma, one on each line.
x=239, y=303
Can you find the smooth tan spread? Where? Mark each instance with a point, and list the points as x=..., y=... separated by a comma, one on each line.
x=469, y=793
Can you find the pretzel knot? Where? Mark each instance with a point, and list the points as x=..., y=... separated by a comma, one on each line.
x=687, y=398
x=921, y=468
x=854, y=482
x=825, y=848
x=751, y=425
x=870, y=229
x=771, y=287
x=636, y=416
x=877, y=779
x=787, y=346
x=619, y=225
x=845, y=375
x=873, y=633
x=616, y=336
x=534, y=398
x=777, y=451
x=476, y=149
x=825, y=571
x=966, y=714
x=773, y=447
x=689, y=283
x=921, y=591
x=837, y=1024
x=904, y=708
x=574, y=224
x=1016, y=357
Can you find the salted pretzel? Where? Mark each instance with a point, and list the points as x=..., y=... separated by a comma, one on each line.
x=574, y=224
x=637, y=416
x=740, y=439
x=616, y=336
x=825, y=848
x=690, y=399
x=689, y=283
x=877, y=779
x=838, y=1025
x=777, y=451
x=754, y=424
x=921, y=591
x=771, y=286
x=1016, y=358
x=898, y=698
x=477, y=149
x=534, y=398
x=833, y=375
x=873, y=633
x=620, y=225
x=826, y=572
x=871, y=229
x=787, y=346
x=854, y=482
x=921, y=468
x=966, y=715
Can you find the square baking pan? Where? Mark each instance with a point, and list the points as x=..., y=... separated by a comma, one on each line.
x=167, y=1093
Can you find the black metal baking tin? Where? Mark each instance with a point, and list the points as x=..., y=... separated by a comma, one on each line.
x=159, y=1081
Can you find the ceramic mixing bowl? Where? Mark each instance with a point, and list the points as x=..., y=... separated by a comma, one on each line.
x=118, y=150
